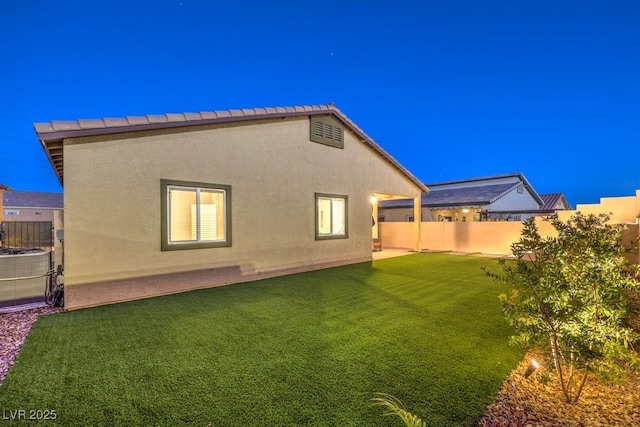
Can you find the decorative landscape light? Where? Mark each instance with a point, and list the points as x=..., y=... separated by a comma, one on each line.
x=533, y=365
x=465, y=210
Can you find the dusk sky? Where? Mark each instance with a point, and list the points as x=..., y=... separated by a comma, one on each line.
x=451, y=89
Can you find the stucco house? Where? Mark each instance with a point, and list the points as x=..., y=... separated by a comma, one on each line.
x=166, y=203
x=506, y=197
x=30, y=205
x=3, y=189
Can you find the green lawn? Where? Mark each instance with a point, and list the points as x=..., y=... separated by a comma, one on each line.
x=306, y=349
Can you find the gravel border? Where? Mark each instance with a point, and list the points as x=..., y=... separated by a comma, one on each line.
x=14, y=328
x=524, y=402
x=521, y=402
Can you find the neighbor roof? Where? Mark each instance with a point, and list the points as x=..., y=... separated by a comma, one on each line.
x=519, y=175
x=4, y=187
x=52, y=134
x=32, y=200
x=466, y=196
x=551, y=200
x=472, y=195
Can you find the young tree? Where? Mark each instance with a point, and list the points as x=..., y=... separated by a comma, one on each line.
x=571, y=298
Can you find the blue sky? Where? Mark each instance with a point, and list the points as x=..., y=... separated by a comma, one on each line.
x=452, y=89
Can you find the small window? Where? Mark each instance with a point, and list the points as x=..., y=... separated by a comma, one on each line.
x=520, y=188
x=331, y=217
x=326, y=130
x=195, y=215
x=11, y=212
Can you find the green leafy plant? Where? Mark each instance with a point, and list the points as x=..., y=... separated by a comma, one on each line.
x=570, y=298
x=394, y=407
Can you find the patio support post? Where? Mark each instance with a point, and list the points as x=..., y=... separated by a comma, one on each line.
x=58, y=248
x=375, y=230
x=417, y=222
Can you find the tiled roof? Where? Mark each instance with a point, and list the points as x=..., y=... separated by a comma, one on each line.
x=32, y=199
x=551, y=200
x=480, y=195
x=52, y=134
x=518, y=175
x=466, y=196
x=84, y=127
x=473, y=183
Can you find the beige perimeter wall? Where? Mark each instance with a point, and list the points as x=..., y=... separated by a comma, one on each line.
x=497, y=237
x=112, y=206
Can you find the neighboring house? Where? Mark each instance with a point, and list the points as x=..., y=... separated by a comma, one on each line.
x=3, y=189
x=160, y=204
x=553, y=202
x=30, y=205
x=507, y=197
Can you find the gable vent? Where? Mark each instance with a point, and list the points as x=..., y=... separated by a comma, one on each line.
x=328, y=131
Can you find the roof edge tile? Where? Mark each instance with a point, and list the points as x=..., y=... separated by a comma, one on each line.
x=56, y=131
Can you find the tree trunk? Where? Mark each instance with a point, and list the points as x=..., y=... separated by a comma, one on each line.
x=584, y=380
x=555, y=353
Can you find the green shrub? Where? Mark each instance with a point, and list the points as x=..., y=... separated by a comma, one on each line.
x=570, y=297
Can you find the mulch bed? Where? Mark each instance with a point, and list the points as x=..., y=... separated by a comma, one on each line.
x=521, y=402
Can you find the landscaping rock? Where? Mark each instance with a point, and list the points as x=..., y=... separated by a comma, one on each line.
x=14, y=328
x=524, y=402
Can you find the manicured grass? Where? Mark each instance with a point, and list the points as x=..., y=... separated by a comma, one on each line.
x=306, y=349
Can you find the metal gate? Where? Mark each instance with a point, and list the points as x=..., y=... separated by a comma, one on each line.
x=26, y=234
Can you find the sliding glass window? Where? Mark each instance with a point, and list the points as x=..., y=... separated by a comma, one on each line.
x=331, y=216
x=195, y=215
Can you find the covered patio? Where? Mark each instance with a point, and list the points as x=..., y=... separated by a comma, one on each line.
x=376, y=198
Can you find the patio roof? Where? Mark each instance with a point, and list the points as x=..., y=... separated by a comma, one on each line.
x=53, y=134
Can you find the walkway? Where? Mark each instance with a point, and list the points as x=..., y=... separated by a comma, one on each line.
x=391, y=253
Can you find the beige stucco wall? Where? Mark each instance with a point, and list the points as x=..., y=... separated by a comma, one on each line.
x=496, y=237
x=112, y=206
x=29, y=214
x=58, y=246
x=471, y=237
x=484, y=237
x=620, y=209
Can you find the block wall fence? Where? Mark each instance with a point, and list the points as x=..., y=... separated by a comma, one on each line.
x=497, y=237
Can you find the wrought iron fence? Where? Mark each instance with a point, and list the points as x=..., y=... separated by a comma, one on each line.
x=26, y=234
